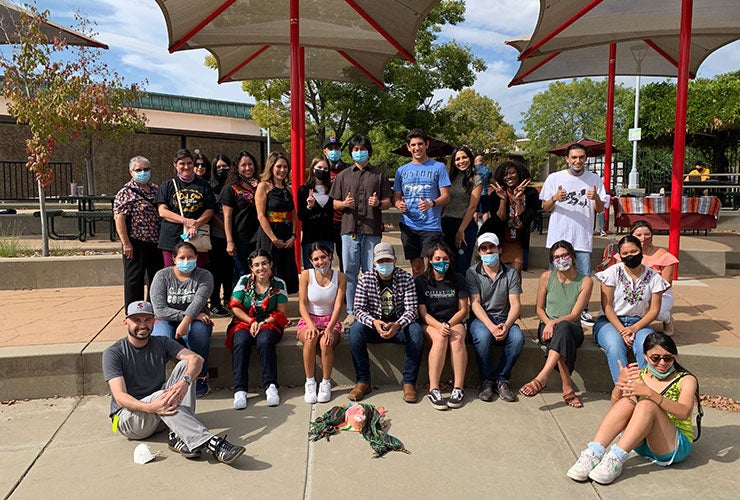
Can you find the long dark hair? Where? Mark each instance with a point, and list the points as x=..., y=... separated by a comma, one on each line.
x=659, y=339
x=260, y=252
x=206, y=163
x=215, y=183
x=449, y=276
x=521, y=171
x=311, y=178
x=233, y=177
x=629, y=239
x=467, y=174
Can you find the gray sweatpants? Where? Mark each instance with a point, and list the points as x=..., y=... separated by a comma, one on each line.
x=140, y=425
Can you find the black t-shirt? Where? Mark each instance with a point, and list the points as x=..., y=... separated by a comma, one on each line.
x=318, y=223
x=389, y=312
x=440, y=299
x=196, y=197
x=241, y=200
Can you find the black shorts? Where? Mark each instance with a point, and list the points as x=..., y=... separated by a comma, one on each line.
x=416, y=244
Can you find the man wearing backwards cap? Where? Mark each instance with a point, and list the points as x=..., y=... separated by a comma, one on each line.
x=494, y=297
x=385, y=309
x=142, y=403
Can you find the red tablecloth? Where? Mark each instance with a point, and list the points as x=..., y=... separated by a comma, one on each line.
x=696, y=212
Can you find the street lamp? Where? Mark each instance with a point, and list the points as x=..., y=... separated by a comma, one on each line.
x=638, y=52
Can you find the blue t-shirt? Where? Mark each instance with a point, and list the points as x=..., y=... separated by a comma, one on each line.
x=485, y=175
x=417, y=181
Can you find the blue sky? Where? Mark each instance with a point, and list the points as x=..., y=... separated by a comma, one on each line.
x=137, y=35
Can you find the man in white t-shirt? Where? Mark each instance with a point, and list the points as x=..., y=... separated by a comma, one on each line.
x=573, y=196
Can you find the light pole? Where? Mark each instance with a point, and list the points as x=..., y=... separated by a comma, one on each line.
x=638, y=52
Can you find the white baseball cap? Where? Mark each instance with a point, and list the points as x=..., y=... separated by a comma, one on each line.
x=487, y=238
x=142, y=454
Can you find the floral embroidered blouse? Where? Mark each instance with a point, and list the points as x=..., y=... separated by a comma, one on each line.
x=632, y=298
x=136, y=202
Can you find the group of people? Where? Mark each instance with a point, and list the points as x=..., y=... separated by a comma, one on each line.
x=444, y=300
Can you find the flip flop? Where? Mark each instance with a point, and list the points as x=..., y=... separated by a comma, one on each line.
x=572, y=400
x=532, y=388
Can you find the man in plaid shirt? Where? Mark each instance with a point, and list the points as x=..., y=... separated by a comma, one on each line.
x=385, y=309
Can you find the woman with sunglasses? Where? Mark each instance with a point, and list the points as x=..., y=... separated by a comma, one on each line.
x=650, y=413
x=662, y=261
x=561, y=296
x=630, y=301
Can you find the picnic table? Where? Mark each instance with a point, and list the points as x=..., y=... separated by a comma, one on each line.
x=87, y=214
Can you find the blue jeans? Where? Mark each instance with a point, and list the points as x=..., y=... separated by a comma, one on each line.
x=197, y=340
x=356, y=252
x=583, y=263
x=483, y=342
x=463, y=255
x=607, y=337
x=307, y=258
x=361, y=335
x=265, y=341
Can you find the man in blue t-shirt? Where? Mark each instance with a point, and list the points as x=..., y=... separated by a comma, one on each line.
x=420, y=190
x=484, y=205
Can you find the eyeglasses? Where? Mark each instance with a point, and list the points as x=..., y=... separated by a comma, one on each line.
x=142, y=169
x=656, y=358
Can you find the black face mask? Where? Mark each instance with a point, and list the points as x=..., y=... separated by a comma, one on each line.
x=221, y=174
x=632, y=261
x=321, y=175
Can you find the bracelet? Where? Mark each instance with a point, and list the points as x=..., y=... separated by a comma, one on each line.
x=661, y=401
x=434, y=203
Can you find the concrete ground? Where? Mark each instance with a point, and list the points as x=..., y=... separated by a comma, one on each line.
x=65, y=448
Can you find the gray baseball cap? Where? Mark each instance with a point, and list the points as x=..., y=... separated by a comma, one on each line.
x=139, y=307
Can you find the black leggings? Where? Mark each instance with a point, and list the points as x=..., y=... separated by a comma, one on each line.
x=567, y=337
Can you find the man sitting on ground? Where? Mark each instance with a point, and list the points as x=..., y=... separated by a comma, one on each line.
x=142, y=403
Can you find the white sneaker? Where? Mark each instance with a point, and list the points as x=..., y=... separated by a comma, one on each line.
x=608, y=469
x=324, y=391
x=585, y=464
x=240, y=400
x=310, y=395
x=273, y=398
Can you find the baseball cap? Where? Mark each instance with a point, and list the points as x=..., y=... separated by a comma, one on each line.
x=383, y=251
x=139, y=307
x=331, y=140
x=487, y=238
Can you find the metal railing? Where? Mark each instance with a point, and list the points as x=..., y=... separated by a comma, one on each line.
x=19, y=183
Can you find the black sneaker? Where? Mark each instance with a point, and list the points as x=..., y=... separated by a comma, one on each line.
x=502, y=387
x=219, y=311
x=587, y=319
x=178, y=446
x=201, y=387
x=438, y=402
x=223, y=451
x=486, y=391
x=456, y=398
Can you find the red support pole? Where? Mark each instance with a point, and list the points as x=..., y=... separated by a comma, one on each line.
x=609, y=126
x=679, y=137
x=296, y=91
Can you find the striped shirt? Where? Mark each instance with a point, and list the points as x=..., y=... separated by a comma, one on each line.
x=367, y=299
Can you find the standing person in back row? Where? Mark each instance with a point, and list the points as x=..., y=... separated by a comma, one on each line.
x=420, y=190
x=333, y=154
x=574, y=196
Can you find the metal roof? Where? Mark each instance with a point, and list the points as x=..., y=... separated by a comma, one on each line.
x=195, y=105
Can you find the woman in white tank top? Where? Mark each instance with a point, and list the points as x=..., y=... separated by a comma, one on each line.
x=320, y=295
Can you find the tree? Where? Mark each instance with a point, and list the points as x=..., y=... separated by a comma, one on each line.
x=712, y=117
x=77, y=101
x=335, y=108
x=567, y=111
x=473, y=120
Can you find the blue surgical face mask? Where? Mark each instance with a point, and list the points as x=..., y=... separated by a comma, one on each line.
x=334, y=155
x=441, y=267
x=574, y=171
x=385, y=268
x=489, y=259
x=187, y=266
x=360, y=156
x=143, y=176
x=325, y=269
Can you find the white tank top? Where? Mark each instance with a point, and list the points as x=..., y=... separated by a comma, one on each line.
x=321, y=298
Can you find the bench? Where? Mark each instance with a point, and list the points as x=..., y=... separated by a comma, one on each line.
x=51, y=216
x=86, y=220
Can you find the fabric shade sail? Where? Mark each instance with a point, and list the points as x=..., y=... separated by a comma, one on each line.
x=10, y=15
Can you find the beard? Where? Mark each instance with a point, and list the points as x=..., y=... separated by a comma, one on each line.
x=140, y=333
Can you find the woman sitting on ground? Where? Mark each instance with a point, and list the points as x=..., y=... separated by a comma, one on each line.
x=443, y=306
x=561, y=296
x=651, y=409
x=179, y=295
x=320, y=295
x=630, y=301
x=662, y=261
x=258, y=304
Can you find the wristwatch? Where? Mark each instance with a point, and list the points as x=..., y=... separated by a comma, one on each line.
x=186, y=379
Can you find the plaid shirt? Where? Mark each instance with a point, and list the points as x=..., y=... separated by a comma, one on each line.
x=367, y=299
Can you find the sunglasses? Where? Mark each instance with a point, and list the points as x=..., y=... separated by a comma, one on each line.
x=200, y=165
x=656, y=358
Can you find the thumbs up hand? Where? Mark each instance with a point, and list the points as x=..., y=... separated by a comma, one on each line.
x=592, y=194
x=561, y=195
x=349, y=201
x=425, y=204
x=373, y=201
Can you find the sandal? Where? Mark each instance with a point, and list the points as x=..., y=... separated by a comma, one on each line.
x=532, y=388
x=572, y=400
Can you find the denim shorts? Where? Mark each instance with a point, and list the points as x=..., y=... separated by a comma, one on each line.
x=679, y=453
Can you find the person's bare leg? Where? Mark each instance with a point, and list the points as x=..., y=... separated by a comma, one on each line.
x=614, y=422
x=649, y=421
x=327, y=358
x=309, y=353
x=437, y=353
x=553, y=358
x=459, y=355
x=565, y=376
